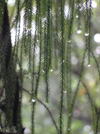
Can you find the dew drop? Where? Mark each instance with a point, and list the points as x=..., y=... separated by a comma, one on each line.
x=51, y=70
x=89, y=65
x=64, y=92
x=69, y=41
x=76, y=16
x=63, y=61
x=33, y=100
x=68, y=129
x=79, y=31
x=29, y=77
x=86, y=34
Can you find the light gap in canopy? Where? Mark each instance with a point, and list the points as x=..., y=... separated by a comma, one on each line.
x=13, y=30
x=11, y=2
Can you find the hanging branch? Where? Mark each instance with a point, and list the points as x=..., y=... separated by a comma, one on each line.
x=46, y=63
x=21, y=67
x=29, y=25
x=48, y=48
x=28, y=31
x=90, y=27
x=49, y=27
x=25, y=28
x=88, y=12
x=62, y=65
x=29, y=49
x=75, y=94
x=39, y=27
x=97, y=111
x=91, y=102
x=40, y=38
x=71, y=16
x=78, y=16
x=56, y=39
x=33, y=77
x=68, y=57
x=68, y=61
x=17, y=33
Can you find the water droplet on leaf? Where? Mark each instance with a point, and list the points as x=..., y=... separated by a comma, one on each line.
x=79, y=31
x=86, y=34
x=76, y=16
x=65, y=91
x=69, y=41
x=51, y=70
x=89, y=65
x=29, y=77
x=33, y=100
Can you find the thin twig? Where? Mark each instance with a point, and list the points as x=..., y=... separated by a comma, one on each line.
x=90, y=98
x=47, y=110
x=97, y=111
x=49, y=114
x=26, y=91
